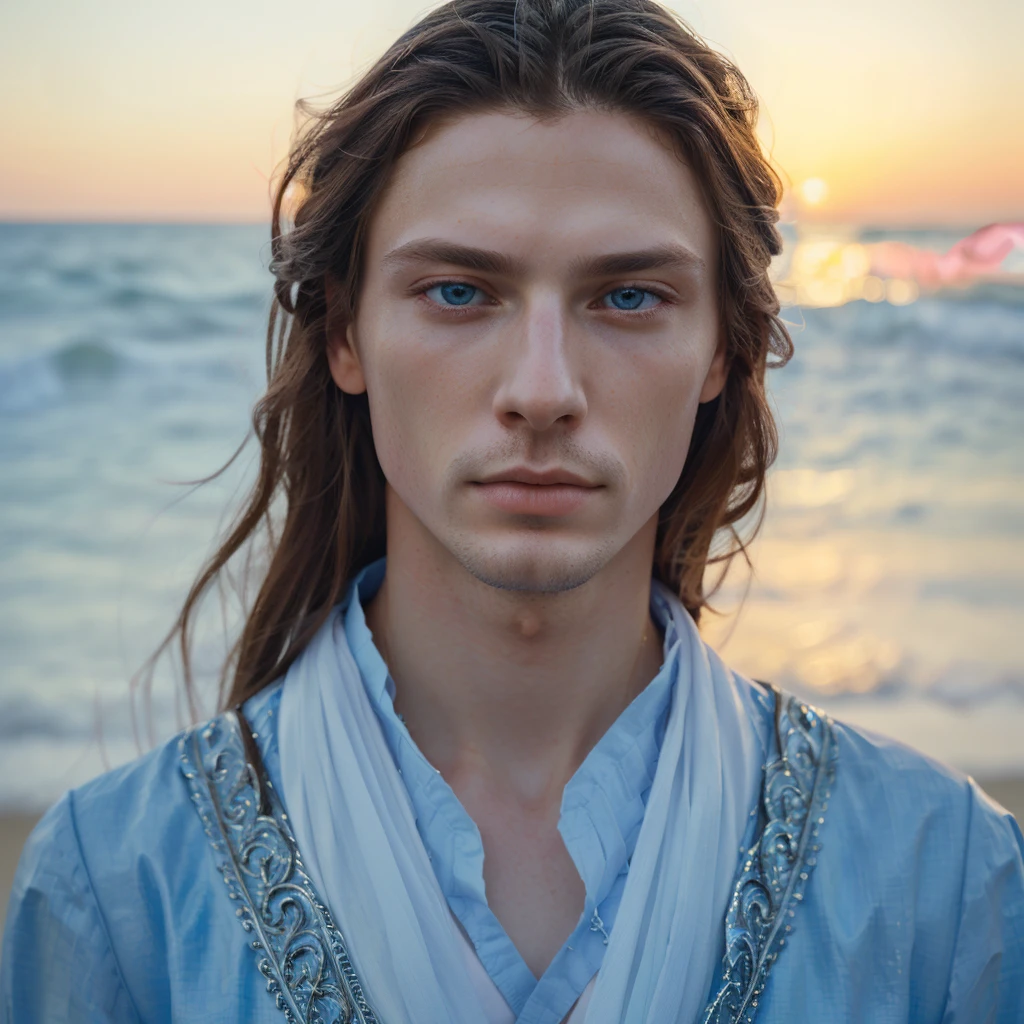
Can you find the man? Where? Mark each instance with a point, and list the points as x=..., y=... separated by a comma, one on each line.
x=522, y=324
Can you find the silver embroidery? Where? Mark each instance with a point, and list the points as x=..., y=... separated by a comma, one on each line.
x=304, y=957
x=771, y=884
x=298, y=948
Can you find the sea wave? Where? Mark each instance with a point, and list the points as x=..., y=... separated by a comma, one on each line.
x=91, y=364
x=957, y=686
x=40, y=380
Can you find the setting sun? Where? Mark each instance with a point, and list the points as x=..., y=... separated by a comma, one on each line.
x=814, y=191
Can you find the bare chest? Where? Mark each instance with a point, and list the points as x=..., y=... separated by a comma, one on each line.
x=533, y=887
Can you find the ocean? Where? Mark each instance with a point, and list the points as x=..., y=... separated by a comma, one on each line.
x=888, y=581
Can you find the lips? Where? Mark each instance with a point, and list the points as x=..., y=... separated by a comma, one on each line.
x=538, y=478
x=523, y=491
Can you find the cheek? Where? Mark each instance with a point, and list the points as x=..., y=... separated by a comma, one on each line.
x=399, y=413
x=657, y=409
x=413, y=416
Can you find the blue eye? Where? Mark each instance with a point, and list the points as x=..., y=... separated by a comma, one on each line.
x=453, y=293
x=630, y=298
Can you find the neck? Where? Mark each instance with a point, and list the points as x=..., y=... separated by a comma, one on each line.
x=509, y=686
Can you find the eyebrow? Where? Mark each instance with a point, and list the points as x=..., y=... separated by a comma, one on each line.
x=489, y=261
x=658, y=257
x=437, y=250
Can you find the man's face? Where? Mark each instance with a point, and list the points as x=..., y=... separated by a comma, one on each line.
x=537, y=296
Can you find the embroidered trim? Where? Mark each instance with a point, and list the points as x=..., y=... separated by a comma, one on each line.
x=304, y=957
x=299, y=950
x=771, y=884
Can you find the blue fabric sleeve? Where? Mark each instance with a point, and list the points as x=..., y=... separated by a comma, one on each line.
x=57, y=963
x=986, y=984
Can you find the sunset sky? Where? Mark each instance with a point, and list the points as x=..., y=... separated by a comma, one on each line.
x=883, y=111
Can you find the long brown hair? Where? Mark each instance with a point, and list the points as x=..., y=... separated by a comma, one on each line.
x=318, y=501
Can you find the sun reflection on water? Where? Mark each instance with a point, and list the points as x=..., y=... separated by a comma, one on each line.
x=831, y=267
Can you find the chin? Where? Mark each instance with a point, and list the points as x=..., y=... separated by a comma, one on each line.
x=546, y=568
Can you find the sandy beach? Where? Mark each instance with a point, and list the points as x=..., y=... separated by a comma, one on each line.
x=1008, y=792
x=14, y=829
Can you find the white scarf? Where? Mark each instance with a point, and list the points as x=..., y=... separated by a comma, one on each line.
x=354, y=824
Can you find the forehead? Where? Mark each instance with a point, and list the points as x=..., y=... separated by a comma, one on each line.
x=585, y=182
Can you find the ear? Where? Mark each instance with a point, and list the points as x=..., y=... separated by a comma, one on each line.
x=717, y=372
x=342, y=357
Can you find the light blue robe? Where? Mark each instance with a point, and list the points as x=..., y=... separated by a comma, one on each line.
x=913, y=910
x=603, y=807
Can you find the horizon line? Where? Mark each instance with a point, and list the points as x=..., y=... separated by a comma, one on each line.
x=7, y=220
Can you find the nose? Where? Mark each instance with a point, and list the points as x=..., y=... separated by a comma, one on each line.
x=541, y=382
